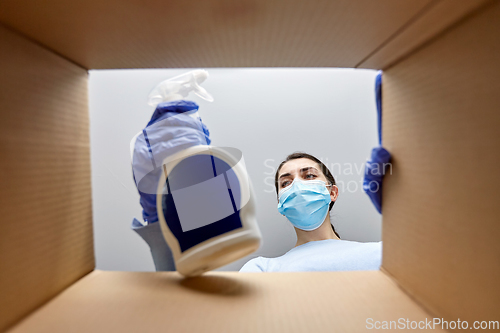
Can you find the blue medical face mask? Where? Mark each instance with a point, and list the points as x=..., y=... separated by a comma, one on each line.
x=305, y=203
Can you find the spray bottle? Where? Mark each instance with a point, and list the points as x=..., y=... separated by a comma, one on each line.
x=204, y=199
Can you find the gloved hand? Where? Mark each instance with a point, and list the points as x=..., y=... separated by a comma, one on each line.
x=375, y=169
x=380, y=158
x=170, y=130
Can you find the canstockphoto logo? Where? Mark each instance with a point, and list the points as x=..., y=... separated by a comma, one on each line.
x=337, y=170
x=434, y=323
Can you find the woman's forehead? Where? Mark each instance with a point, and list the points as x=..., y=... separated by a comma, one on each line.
x=295, y=165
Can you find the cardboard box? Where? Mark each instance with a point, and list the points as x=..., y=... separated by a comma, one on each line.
x=441, y=230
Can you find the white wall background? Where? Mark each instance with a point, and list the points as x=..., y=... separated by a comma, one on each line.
x=267, y=114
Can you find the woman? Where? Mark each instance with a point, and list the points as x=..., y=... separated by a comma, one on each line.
x=306, y=193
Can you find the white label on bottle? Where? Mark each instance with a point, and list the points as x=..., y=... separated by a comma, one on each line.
x=202, y=204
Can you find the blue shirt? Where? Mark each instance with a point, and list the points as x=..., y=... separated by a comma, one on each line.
x=323, y=255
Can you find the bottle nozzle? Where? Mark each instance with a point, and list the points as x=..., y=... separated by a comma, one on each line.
x=179, y=87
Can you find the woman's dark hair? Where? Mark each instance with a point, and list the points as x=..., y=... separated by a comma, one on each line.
x=323, y=167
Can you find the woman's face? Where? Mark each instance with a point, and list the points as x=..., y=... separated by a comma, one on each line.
x=302, y=168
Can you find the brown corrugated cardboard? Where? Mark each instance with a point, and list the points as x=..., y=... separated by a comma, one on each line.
x=441, y=124
x=225, y=302
x=191, y=33
x=46, y=229
x=441, y=214
x=432, y=20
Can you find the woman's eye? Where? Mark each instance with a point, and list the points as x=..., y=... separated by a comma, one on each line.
x=310, y=176
x=285, y=183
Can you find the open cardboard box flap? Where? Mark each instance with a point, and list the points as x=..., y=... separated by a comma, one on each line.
x=440, y=102
x=224, y=302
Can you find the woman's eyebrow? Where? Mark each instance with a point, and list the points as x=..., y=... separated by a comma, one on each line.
x=301, y=170
x=308, y=168
x=284, y=175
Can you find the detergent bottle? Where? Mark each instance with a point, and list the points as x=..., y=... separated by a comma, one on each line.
x=204, y=197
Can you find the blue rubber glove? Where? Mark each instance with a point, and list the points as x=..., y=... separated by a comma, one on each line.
x=375, y=167
x=170, y=130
